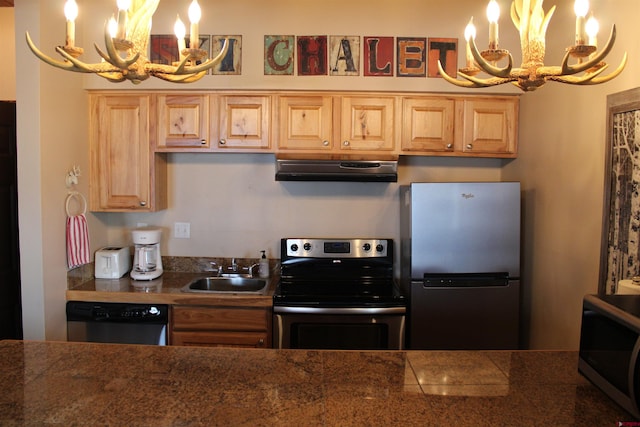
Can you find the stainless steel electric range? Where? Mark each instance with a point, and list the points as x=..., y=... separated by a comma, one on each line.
x=338, y=294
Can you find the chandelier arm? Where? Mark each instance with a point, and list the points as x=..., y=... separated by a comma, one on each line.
x=64, y=65
x=515, y=16
x=181, y=78
x=547, y=19
x=114, y=77
x=488, y=68
x=594, y=77
x=453, y=80
x=211, y=62
x=493, y=81
x=573, y=69
x=114, y=58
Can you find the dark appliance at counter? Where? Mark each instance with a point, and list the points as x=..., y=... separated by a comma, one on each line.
x=460, y=264
x=338, y=294
x=121, y=323
x=610, y=347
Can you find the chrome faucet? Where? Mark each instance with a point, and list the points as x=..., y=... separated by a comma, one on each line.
x=234, y=265
x=215, y=267
x=250, y=268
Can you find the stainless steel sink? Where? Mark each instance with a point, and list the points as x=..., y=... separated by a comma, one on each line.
x=225, y=284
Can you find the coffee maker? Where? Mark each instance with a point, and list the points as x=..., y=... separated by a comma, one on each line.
x=147, y=261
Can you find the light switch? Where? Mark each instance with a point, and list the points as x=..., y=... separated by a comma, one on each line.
x=182, y=230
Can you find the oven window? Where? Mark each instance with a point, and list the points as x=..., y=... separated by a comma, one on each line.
x=340, y=336
x=607, y=346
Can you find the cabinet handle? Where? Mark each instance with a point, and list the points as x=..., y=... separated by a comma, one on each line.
x=261, y=342
x=222, y=142
x=325, y=143
x=345, y=143
x=203, y=141
x=469, y=146
x=449, y=145
x=143, y=203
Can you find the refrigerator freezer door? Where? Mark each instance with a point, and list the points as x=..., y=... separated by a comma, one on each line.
x=465, y=228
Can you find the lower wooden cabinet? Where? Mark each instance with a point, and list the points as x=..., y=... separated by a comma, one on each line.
x=220, y=326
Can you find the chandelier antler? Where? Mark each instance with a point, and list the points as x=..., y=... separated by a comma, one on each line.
x=126, y=50
x=531, y=21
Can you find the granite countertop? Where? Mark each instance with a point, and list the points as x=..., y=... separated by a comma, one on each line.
x=133, y=385
x=163, y=290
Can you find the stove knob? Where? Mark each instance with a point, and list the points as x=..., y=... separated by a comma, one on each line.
x=379, y=247
x=294, y=248
x=307, y=246
x=367, y=247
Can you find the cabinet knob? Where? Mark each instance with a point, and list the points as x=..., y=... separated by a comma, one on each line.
x=449, y=145
x=203, y=141
x=325, y=143
x=261, y=342
x=345, y=143
x=469, y=146
x=143, y=203
x=222, y=142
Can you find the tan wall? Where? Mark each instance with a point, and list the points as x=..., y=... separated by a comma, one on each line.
x=236, y=209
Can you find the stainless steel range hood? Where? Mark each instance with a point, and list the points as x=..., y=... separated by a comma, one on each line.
x=342, y=169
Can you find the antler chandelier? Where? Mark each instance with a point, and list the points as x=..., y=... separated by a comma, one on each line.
x=531, y=21
x=126, y=40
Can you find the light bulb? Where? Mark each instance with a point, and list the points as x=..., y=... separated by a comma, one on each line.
x=493, y=11
x=581, y=8
x=124, y=4
x=194, y=12
x=470, y=30
x=592, y=27
x=112, y=26
x=71, y=10
x=179, y=29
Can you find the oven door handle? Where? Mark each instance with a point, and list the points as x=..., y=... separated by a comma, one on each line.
x=340, y=310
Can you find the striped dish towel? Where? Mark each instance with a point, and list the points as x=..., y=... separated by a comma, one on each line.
x=77, y=241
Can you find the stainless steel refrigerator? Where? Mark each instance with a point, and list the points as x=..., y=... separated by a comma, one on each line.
x=460, y=264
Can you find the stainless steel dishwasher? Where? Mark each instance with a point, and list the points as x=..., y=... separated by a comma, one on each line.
x=123, y=323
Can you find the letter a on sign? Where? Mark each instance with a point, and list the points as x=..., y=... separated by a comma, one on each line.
x=344, y=52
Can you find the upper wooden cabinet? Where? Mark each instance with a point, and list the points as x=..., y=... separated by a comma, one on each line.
x=305, y=122
x=490, y=126
x=183, y=122
x=428, y=124
x=329, y=123
x=243, y=121
x=460, y=126
x=368, y=123
x=125, y=174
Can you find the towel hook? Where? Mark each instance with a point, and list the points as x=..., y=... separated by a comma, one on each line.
x=72, y=176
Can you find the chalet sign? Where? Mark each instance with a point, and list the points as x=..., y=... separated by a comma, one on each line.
x=322, y=55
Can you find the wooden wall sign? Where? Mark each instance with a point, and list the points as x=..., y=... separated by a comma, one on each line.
x=312, y=55
x=344, y=55
x=278, y=55
x=446, y=51
x=232, y=61
x=412, y=56
x=378, y=56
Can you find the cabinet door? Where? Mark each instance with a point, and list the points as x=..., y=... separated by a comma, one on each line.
x=490, y=126
x=221, y=339
x=123, y=168
x=305, y=122
x=367, y=123
x=428, y=124
x=204, y=318
x=183, y=122
x=244, y=122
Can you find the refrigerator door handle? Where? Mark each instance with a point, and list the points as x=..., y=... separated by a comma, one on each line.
x=462, y=280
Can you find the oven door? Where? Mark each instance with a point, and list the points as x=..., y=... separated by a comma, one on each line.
x=349, y=328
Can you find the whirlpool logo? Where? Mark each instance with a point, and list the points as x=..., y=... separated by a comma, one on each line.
x=467, y=196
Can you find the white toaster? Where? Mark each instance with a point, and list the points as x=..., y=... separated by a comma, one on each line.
x=112, y=262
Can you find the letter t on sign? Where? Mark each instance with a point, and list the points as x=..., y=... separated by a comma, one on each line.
x=445, y=50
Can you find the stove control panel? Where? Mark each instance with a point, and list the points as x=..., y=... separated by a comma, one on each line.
x=337, y=248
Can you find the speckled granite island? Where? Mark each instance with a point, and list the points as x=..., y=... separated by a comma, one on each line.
x=59, y=383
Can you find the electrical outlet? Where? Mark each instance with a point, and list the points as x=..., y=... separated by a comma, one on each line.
x=182, y=230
